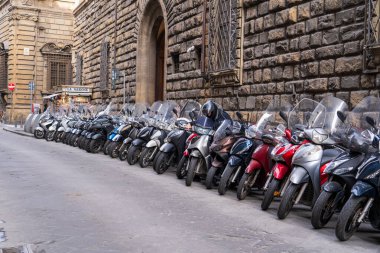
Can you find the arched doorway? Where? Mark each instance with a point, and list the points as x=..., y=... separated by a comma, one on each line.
x=151, y=54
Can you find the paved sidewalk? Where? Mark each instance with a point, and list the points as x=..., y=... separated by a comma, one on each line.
x=16, y=130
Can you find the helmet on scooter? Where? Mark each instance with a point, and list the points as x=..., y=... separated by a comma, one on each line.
x=210, y=110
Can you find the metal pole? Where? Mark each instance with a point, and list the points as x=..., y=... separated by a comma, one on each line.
x=124, y=86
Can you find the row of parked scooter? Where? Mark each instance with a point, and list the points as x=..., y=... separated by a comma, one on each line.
x=318, y=154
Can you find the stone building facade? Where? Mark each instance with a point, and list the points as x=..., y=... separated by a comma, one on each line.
x=242, y=53
x=36, y=38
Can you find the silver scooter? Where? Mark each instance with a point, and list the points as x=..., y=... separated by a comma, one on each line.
x=310, y=161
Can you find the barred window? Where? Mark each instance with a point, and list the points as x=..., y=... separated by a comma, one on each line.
x=58, y=63
x=79, y=69
x=59, y=71
x=3, y=68
x=222, y=34
x=104, y=65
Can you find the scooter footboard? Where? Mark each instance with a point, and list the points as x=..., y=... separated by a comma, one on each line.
x=299, y=175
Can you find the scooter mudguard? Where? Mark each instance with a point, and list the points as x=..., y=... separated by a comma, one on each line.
x=39, y=129
x=234, y=161
x=167, y=148
x=332, y=187
x=280, y=170
x=362, y=189
x=252, y=166
x=117, y=138
x=97, y=136
x=52, y=128
x=138, y=143
x=196, y=153
x=299, y=176
x=61, y=129
x=128, y=140
x=153, y=143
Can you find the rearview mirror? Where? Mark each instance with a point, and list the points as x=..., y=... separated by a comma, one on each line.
x=342, y=116
x=239, y=115
x=175, y=111
x=370, y=121
x=192, y=115
x=284, y=116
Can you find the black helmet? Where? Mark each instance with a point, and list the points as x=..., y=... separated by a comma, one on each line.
x=210, y=110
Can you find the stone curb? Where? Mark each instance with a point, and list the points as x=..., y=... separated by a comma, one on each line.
x=18, y=132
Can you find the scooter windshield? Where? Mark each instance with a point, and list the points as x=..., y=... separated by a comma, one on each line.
x=301, y=114
x=325, y=114
x=191, y=105
x=271, y=118
x=203, y=125
x=368, y=107
x=166, y=112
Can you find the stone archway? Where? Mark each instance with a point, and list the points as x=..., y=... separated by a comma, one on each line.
x=151, y=54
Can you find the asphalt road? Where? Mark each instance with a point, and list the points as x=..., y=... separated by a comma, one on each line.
x=61, y=199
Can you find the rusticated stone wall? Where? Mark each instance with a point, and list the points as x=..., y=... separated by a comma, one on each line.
x=286, y=49
x=295, y=49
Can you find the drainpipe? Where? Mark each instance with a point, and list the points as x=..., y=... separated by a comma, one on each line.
x=203, y=66
x=114, y=46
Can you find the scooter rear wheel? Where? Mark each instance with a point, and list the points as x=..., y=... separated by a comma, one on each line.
x=123, y=152
x=210, y=179
x=113, y=149
x=160, y=164
x=38, y=134
x=133, y=154
x=144, y=159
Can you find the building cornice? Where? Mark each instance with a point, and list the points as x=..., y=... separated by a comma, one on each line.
x=81, y=7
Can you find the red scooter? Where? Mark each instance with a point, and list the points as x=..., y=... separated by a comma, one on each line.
x=182, y=164
x=261, y=163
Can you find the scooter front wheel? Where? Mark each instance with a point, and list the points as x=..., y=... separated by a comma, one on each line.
x=133, y=154
x=145, y=157
x=123, y=152
x=113, y=149
x=182, y=167
x=161, y=163
x=38, y=134
x=225, y=181
x=96, y=145
x=288, y=200
x=269, y=193
x=348, y=219
x=323, y=209
x=194, y=163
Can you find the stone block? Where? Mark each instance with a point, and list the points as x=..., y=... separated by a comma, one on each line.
x=257, y=76
x=352, y=32
x=348, y=64
x=316, y=7
x=350, y=82
x=276, y=4
x=282, y=17
x=316, y=39
x=276, y=34
x=367, y=81
x=318, y=84
x=330, y=37
x=345, y=17
x=309, y=69
x=327, y=67
x=288, y=73
x=334, y=83
x=304, y=42
x=267, y=75
x=332, y=5
x=259, y=24
x=311, y=25
x=357, y=96
x=277, y=73
x=352, y=48
x=329, y=51
x=296, y=29
x=326, y=21
x=294, y=44
x=293, y=14
x=263, y=8
x=282, y=47
x=269, y=21
x=304, y=11
x=308, y=55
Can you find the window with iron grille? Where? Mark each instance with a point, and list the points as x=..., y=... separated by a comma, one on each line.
x=222, y=34
x=104, y=65
x=372, y=36
x=59, y=71
x=58, y=65
x=79, y=69
x=3, y=69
